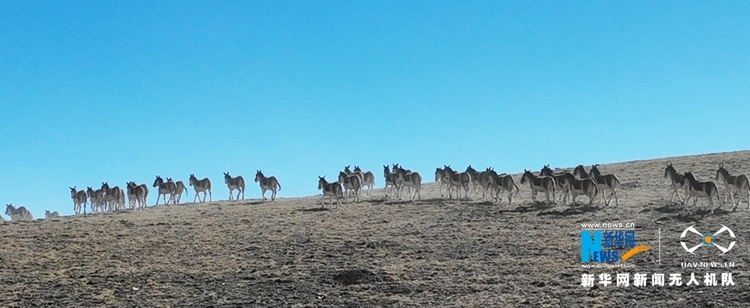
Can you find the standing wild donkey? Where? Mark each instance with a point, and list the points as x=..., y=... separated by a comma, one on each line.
x=408, y=179
x=267, y=183
x=114, y=197
x=79, y=199
x=237, y=183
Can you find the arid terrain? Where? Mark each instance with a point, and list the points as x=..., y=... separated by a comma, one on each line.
x=376, y=253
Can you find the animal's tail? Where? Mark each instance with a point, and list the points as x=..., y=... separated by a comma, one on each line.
x=278, y=183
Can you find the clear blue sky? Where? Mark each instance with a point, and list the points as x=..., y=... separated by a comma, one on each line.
x=94, y=91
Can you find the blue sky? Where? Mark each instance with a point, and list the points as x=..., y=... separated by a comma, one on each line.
x=94, y=91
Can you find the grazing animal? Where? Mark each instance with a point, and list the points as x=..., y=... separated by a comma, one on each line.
x=48, y=215
x=331, y=190
x=369, y=179
x=410, y=179
x=576, y=187
x=544, y=184
x=237, y=183
x=457, y=180
x=352, y=183
x=732, y=183
x=164, y=189
x=605, y=182
x=500, y=183
x=79, y=200
x=701, y=189
x=267, y=183
x=18, y=214
x=201, y=186
x=678, y=182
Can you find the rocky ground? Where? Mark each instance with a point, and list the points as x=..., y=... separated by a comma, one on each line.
x=376, y=253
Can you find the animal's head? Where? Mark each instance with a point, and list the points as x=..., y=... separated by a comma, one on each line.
x=580, y=172
x=669, y=170
x=546, y=170
x=258, y=175
x=527, y=176
x=322, y=182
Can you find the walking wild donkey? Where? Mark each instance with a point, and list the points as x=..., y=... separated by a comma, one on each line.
x=267, y=183
x=237, y=183
x=201, y=186
x=179, y=188
x=701, y=189
x=368, y=178
x=164, y=189
x=331, y=190
x=678, y=182
x=545, y=184
x=734, y=183
x=352, y=183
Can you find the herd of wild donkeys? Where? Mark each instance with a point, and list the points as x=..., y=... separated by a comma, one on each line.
x=591, y=184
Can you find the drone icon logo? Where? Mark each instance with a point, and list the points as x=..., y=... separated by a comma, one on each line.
x=708, y=239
